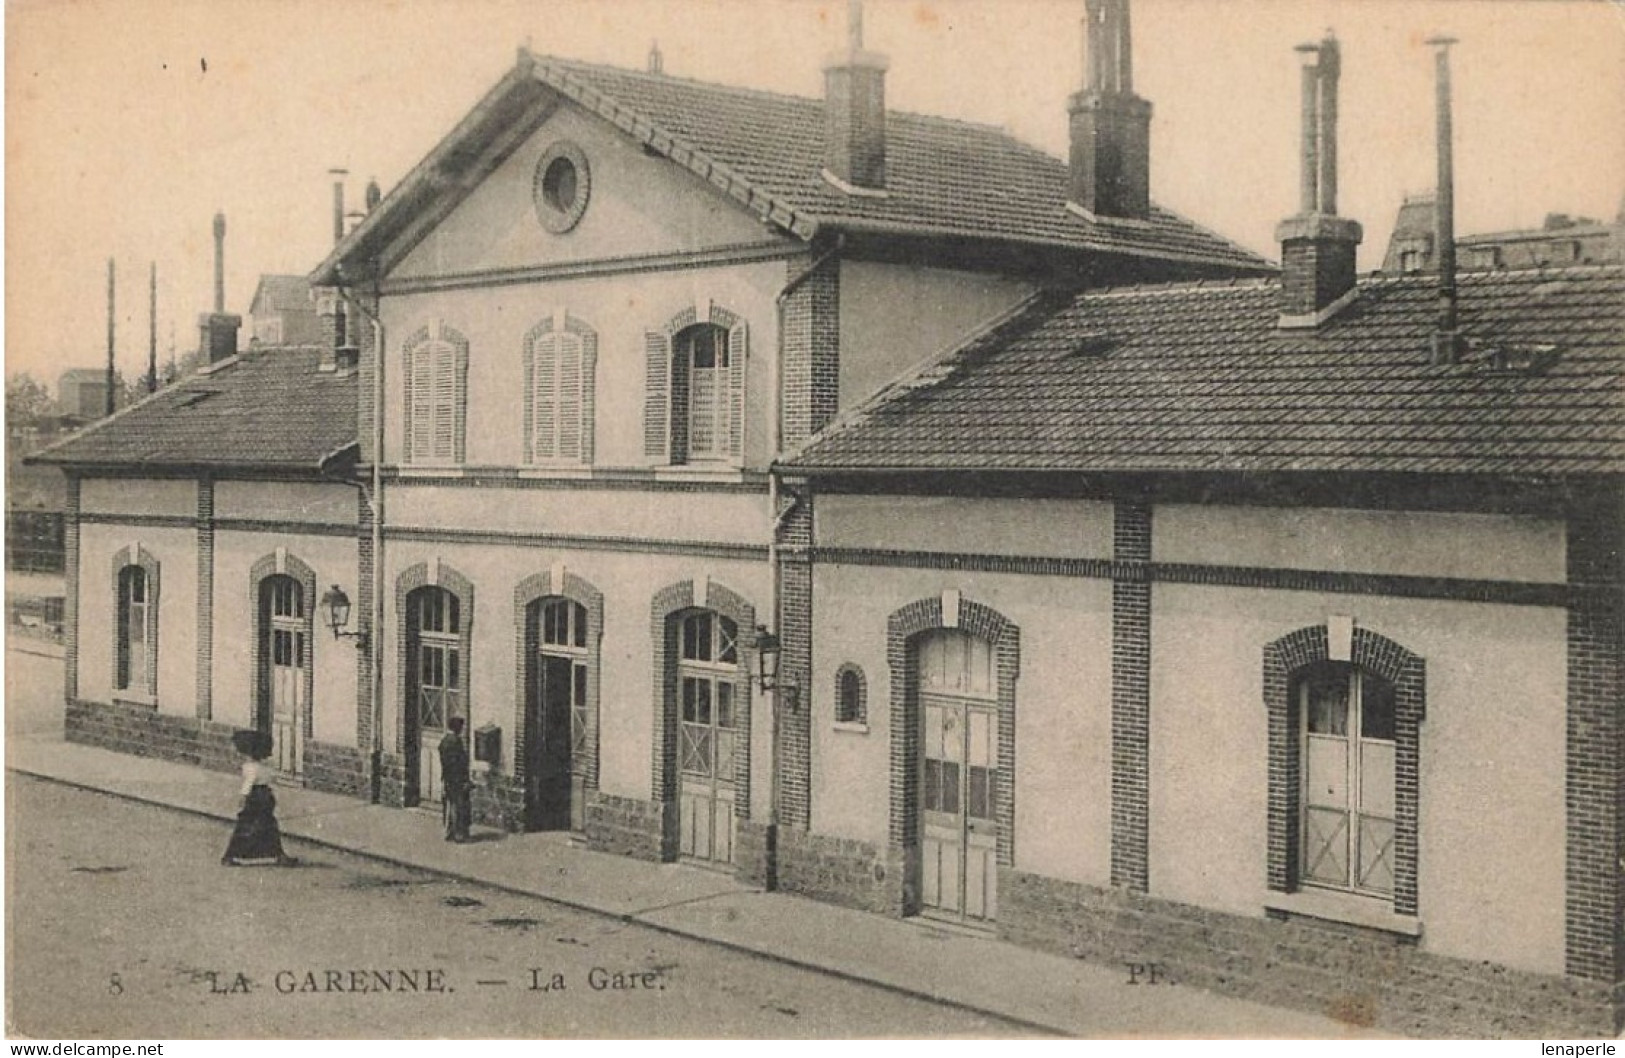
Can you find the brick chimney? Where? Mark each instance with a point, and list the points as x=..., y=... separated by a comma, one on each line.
x=217, y=330
x=855, y=113
x=1110, y=125
x=1317, y=246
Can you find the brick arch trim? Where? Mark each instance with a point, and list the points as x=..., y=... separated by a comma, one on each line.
x=668, y=604
x=271, y=565
x=136, y=555
x=576, y=589
x=411, y=579
x=903, y=628
x=1381, y=656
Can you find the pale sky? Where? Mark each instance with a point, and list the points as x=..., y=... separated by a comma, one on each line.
x=120, y=143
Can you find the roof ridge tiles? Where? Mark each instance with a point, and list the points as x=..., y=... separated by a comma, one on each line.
x=767, y=93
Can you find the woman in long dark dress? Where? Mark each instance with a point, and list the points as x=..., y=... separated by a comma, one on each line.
x=256, y=839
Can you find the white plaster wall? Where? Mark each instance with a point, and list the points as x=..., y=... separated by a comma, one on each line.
x=634, y=513
x=164, y=496
x=1492, y=759
x=638, y=205
x=620, y=308
x=1063, y=715
x=626, y=690
x=1045, y=528
x=894, y=317
x=333, y=687
x=286, y=501
x=1415, y=543
x=176, y=552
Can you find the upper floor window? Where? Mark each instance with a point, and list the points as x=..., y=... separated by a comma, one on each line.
x=436, y=380
x=560, y=364
x=694, y=410
x=1348, y=778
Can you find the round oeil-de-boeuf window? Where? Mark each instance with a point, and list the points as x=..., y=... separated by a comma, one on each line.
x=561, y=187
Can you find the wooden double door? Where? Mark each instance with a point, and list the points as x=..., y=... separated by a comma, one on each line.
x=959, y=833
x=284, y=673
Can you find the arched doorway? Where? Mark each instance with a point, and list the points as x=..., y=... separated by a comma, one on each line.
x=708, y=732
x=557, y=713
x=435, y=685
x=959, y=754
x=283, y=679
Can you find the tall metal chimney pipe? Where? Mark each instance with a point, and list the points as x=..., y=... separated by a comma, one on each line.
x=107, y=401
x=1331, y=68
x=152, y=331
x=219, y=262
x=338, y=176
x=1309, y=179
x=1445, y=343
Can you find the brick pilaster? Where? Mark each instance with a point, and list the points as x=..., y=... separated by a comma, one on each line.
x=70, y=599
x=795, y=666
x=810, y=373
x=365, y=658
x=1595, y=788
x=1131, y=696
x=205, y=598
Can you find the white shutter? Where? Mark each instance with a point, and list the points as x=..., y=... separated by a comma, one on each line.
x=421, y=404
x=657, y=396
x=544, y=396
x=443, y=444
x=738, y=348
x=569, y=396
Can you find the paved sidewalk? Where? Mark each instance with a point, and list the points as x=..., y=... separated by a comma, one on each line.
x=1041, y=992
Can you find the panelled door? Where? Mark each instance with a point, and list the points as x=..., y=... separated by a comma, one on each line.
x=285, y=655
x=958, y=788
x=434, y=681
x=707, y=685
x=555, y=715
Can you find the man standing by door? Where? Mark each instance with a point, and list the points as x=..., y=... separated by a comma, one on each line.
x=455, y=779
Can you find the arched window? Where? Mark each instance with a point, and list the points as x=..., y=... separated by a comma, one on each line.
x=137, y=618
x=436, y=383
x=694, y=410
x=1347, y=719
x=851, y=696
x=559, y=367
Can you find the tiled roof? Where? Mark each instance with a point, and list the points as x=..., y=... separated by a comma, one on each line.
x=269, y=409
x=1198, y=378
x=944, y=178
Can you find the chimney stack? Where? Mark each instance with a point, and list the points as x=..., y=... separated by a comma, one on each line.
x=657, y=62
x=217, y=330
x=1446, y=341
x=1318, y=246
x=1110, y=126
x=855, y=113
x=374, y=194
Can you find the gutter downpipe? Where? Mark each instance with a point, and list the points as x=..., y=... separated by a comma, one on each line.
x=779, y=518
x=376, y=502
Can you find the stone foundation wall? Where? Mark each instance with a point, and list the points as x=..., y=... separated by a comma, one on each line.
x=142, y=732
x=336, y=769
x=1355, y=975
x=498, y=801
x=845, y=871
x=645, y=830
x=754, y=845
x=392, y=780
